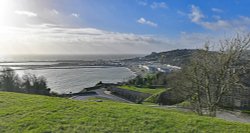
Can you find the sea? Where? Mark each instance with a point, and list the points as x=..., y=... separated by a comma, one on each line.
x=69, y=79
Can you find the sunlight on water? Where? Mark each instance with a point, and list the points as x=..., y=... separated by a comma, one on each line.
x=66, y=79
x=74, y=80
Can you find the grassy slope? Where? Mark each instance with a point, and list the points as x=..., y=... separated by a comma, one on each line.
x=31, y=113
x=144, y=90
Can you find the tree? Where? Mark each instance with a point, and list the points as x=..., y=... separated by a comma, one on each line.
x=211, y=75
x=27, y=83
x=9, y=80
x=34, y=84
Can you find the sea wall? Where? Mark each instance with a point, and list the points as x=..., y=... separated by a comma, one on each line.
x=130, y=95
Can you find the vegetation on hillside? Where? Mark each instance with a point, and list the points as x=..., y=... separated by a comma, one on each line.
x=33, y=113
x=150, y=80
x=142, y=89
x=155, y=98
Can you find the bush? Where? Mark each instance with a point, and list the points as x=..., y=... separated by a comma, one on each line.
x=246, y=111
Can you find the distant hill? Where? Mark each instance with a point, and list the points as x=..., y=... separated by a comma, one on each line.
x=179, y=57
x=33, y=113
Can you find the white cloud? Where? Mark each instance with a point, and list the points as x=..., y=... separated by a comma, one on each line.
x=196, y=15
x=53, y=39
x=26, y=13
x=217, y=10
x=219, y=24
x=142, y=2
x=181, y=13
x=239, y=24
x=54, y=11
x=216, y=17
x=75, y=15
x=57, y=39
x=155, y=5
x=146, y=22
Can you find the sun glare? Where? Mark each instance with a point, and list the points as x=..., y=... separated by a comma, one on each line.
x=6, y=12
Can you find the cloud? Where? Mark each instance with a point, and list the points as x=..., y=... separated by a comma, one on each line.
x=196, y=15
x=217, y=25
x=181, y=13
x=142, y=2
x=241, y=23
x=26, y=13
x=216, y=17
x=217, y=10
x=155, y=5
x=54, y=11
x=76, y=15
x=146, y=22
x=57, y=39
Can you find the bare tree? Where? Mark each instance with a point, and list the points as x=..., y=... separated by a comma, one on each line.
x=211, y=75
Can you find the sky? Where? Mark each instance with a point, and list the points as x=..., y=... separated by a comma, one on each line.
x=117, y=26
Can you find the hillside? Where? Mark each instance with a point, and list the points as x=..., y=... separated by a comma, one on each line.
x=178, y=57
x=175, y=57
x=33, y=113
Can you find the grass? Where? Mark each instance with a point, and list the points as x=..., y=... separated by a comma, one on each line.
x=154, y=98
x=33, y=113
x=185, y=104
x=143, y=90
x=246, y=111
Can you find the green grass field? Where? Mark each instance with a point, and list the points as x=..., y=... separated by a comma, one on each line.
x=33, y=113
x=246, y=111
x=143, y=90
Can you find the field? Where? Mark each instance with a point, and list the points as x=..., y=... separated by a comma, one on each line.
x=33, y=113
x=143, y=90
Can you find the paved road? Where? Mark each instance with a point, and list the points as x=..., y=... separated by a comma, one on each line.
x=222, y=114
x=233, y=116
x=100, y=93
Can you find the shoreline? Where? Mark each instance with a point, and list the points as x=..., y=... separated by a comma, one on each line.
x=83, y=83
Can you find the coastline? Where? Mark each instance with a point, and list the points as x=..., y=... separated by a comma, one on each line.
x=65, y=80
x=137, y=71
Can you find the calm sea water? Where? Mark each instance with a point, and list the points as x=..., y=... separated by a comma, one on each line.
x=66, y=80
x=74, y=80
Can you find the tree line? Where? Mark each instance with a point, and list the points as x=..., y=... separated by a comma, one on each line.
x=150, y=80
x=28, y=83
